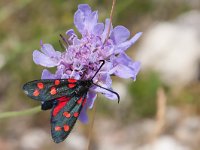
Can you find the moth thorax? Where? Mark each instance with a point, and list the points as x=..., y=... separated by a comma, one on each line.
x=83, y=87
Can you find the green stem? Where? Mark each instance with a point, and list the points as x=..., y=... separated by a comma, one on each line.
x=20, y=113
x=91, y=127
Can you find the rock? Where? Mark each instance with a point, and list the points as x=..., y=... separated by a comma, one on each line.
x=173, y=115
x=76, y=141
x=188, y=131
x=173, y=50
x=34, y=139
x=111, y=136
x=164, y=143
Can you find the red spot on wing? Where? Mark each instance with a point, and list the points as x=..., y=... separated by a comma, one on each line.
x=57, y=82
x=64, y=98
x=36, y=92
x=84, y=101
x=80, y=100
x=62, y=101
x=57, y=128
x=66, y=128
x=53, y=91
x=67, y=114
x=72, y=80
x=76, y=114
x=71, y=85
x=40, y=85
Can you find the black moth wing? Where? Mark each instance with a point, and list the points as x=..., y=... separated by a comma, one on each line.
x=64, y=115
x=49, y=89
x=66, y=97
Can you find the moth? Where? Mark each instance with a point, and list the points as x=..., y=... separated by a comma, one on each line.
x=65, y=98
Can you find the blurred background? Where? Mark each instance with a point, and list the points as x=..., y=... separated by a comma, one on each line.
x=160, y=111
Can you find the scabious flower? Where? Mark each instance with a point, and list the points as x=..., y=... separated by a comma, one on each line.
x=82, y=57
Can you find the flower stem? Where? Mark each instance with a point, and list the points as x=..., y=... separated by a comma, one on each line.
x=111, y=14
x=90, y=137
x=20, y=113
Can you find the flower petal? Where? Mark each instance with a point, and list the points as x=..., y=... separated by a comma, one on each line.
x=125, y=67
x=85, y=8
x=136, y=66
x=122, y=71
x=91, y=21
x=48, y=50
x=125, y=45
x=41, y=59
x=70, y=32
x=105, y=92
x=78, y=20
x=111, y=96
x=105, y=81
x=91, y=96
x=119, y=34
x=105, y=32
x=71, y=35
x=47, y=75
x=125, y=60
x=49, y=57
x=84, y=19
x=83, y=117
x=98, y=29
x=107, y=66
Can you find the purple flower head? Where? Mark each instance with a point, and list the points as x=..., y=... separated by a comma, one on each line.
x=82, y=57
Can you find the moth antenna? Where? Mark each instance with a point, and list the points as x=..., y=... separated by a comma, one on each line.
x=111, y=15
x=103, y=62
x=118, y=97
